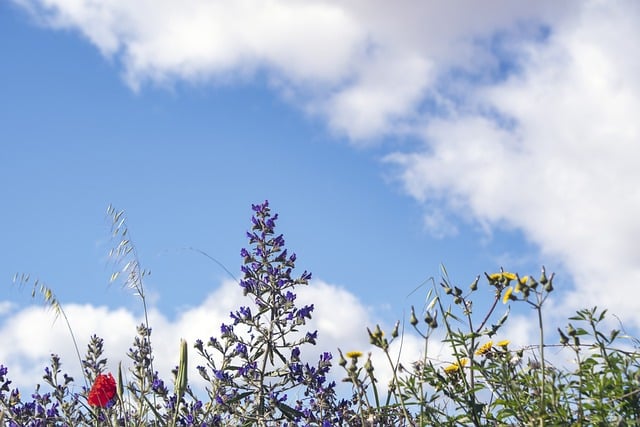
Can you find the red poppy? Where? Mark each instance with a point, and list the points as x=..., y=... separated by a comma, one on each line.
x=103, y=390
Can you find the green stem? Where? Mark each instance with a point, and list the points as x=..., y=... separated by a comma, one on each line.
x=542, y=365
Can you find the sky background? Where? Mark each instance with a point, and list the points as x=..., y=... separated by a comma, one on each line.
x=390, y=138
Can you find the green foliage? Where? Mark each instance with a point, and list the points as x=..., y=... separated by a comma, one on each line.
x=487, y=383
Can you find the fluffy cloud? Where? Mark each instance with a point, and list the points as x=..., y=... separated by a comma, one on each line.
x=29, y=335
x=526, y=109
x=556, y=158
x=365, y=66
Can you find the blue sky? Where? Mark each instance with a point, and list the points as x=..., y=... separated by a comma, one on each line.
x=388, y=141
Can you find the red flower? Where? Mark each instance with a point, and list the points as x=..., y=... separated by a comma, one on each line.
x=103, y=390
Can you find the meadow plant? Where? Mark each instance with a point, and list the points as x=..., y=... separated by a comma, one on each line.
x=257, y=374
x=487, y=383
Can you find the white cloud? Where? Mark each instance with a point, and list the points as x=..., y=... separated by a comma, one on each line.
x=29, y=335
x=565, y=169
x=6, y=307
x=365, y=66
x=527, y=110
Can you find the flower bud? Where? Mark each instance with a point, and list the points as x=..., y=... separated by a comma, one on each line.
x=413, y=320
x=181, y=378
x=427, y=318
x=372, y=338
x=342, y=361
x=549, y=286
x=474, y=285
x=543, y=277
x=394, y=333
x=368, y=366
x=564, y=340
x=434, y=323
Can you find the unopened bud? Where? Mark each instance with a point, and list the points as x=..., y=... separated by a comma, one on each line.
x=368, y=366
x=549, y=286
x=564, y=340
x=372, y=338
x=342, y=361
x=413, y=320
x=427, y=318
x=474, y=285
x=434, y=323
x=394, y=333
x=181, y=378
x=543, y=277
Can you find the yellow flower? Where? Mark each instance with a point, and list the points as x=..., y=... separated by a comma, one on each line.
x=507, y=295
x=354, y=354
x=485, y=348
x=452, y=368
x=503, y=343
x=504, y=275
x=455, y=367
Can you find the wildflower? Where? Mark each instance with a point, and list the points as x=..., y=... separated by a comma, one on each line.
x=354, y=354
x=507, y=295
x=455, y=367
x=502, y=276
x=503, y=343
x=485, y=348
x=103, y=391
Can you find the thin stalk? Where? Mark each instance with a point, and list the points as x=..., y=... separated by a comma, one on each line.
x=397, y=385
x=542, y=365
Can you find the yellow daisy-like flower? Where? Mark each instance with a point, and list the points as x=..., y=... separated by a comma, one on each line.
x=503, y=275
x=507, y=295
x=503, y=343
x=354, y=354
x=484, y=348
x=451, y=368
x=455, y=367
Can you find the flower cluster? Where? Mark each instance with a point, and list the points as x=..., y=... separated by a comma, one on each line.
x=256, y=366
